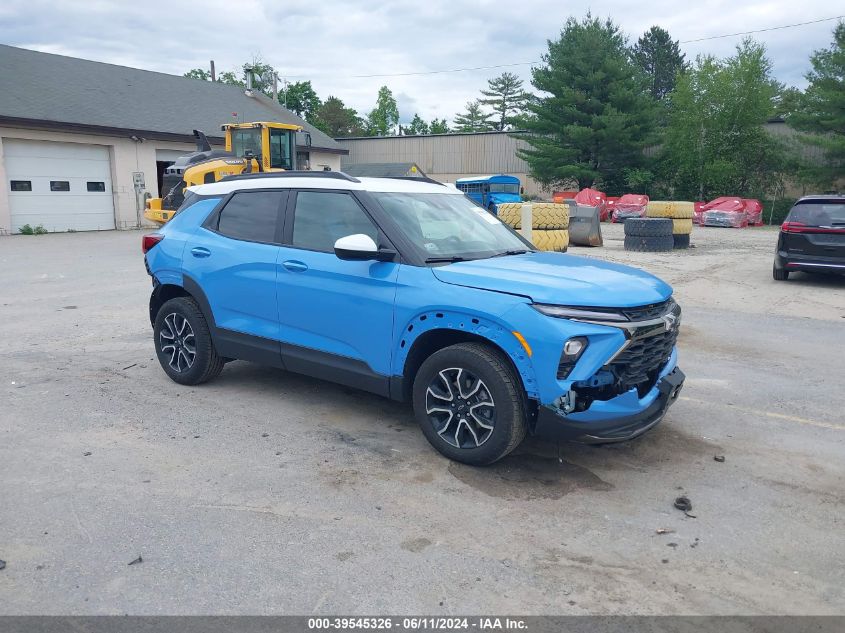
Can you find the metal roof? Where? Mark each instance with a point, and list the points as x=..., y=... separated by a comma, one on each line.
x=42, y=88
x=384, y=170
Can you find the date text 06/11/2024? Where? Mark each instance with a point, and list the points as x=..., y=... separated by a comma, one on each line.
x=417, y=623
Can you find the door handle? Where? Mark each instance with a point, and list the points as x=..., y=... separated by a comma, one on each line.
x=200, y=251
x=295, y=266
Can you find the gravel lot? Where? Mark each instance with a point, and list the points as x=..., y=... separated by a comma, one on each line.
x=264, y=492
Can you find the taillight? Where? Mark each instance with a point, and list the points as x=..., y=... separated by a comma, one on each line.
x=148, y=241
x=800, y=227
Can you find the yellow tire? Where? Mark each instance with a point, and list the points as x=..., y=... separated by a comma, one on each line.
x=510, y=213
x=675, y=209
x=681, y=227
x=548, y=216
x=550, y=240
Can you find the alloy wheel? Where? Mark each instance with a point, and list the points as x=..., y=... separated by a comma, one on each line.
x=460, y=408
x=177, y=339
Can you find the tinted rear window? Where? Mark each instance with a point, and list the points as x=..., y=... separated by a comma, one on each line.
x=819, y=213
x=251, y=215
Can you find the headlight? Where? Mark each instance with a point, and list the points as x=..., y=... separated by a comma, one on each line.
x=584, y=314
x=572, y=350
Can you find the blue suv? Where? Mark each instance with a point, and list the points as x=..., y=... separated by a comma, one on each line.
x=409, y=290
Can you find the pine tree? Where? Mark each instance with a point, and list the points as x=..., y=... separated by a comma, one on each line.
x=417, y=126
x=474, y=119
x=438, y=126
x=336, y=120
x=506, y=98
x=660, y=59
x=821, y=109
x=598, y=116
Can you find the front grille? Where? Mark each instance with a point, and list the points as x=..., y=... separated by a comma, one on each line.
x=645, y=313
x=639, y=364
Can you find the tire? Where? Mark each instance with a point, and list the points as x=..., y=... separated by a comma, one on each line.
x=188, y=365
x=681, y=227
x=680, y=240
x=547, y=216
x=556, y=240
x=649, y=244
x=648, y=227
x=496, y=429
x=780, y=274
x=678, y=209
x=511, y=214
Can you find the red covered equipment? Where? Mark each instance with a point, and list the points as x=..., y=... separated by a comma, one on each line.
x=697, y=212
x=725, y=211
x=631, y=205
x=593, y=198
x=755, y=212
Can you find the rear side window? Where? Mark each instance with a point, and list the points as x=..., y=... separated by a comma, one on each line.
x=251, y=215
x=322, y=217
x=819, y=213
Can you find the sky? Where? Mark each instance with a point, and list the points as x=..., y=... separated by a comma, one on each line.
x=334, y=42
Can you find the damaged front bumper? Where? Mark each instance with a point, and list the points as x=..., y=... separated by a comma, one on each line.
x=607, y=421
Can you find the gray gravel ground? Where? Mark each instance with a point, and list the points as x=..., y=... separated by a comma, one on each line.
x=265, y=492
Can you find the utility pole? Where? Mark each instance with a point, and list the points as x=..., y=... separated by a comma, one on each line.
x=275, y=87
x=213, y=74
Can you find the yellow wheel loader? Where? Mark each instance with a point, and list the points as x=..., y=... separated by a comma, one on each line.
x=250, y=147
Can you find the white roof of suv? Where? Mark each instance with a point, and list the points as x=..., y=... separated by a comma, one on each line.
x=312, y=181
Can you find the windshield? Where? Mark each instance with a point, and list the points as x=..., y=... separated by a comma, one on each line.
x=448, y=227
x=247, y=139
x=819, y=213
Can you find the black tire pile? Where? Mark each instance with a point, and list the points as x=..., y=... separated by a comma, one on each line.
x=649, y=235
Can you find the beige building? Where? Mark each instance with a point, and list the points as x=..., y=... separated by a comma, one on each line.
x=446, y=157
x=82, y=143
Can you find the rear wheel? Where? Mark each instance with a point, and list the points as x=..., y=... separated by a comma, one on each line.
x=469, y=404
x=183, y=343
x=780, y=274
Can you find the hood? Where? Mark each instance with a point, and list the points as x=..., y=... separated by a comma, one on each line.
x=559, y=279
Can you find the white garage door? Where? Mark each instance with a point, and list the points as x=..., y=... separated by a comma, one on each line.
x=61, y=186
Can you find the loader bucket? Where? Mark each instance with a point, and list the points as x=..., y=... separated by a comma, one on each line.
x=584, y=225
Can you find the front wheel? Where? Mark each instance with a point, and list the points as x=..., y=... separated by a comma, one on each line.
x=469, y=403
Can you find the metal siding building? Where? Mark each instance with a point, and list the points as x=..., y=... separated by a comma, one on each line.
x=445, y=157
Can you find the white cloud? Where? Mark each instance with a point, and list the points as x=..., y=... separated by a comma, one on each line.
x=332, y=41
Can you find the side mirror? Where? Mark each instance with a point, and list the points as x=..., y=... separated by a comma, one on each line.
x=360, y=247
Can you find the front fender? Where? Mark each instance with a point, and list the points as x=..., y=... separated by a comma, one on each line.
x=488, y=327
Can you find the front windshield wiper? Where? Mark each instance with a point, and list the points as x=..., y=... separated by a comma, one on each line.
x=512, y=252
x=450, y=259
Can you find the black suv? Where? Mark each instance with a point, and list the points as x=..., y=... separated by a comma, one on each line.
x=812, y=238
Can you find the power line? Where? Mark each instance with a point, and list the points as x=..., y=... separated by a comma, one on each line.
x=773, y=28
x=460, y=70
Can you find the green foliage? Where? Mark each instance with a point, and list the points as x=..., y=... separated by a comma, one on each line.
x=198, y=73
x=417, y=126
x=638, y=180
x=821, y=110
x=716, y=143
x=300, y=98
x=383, y=119
x=474, y=119
x=598, y=116
x=660, y=59
x=438, y=126
x=506, y=98
x=775, y=211
x=27, y=229
x=336, y=120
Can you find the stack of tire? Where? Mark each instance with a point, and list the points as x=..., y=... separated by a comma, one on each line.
x=549, y=223
x=681, y=214
x=649, y=235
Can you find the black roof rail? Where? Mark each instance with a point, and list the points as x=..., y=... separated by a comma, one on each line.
x=336, y=175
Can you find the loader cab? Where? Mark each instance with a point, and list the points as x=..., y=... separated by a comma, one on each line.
x=274, y=144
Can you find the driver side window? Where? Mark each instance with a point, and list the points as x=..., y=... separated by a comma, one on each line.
x=323, y=217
